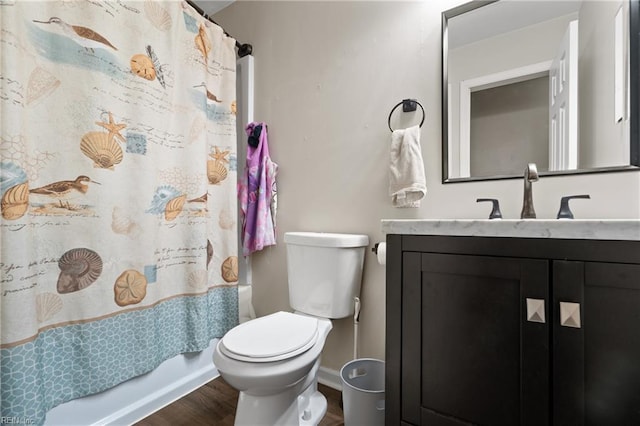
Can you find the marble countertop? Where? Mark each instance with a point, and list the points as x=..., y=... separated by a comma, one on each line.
x=583, y=229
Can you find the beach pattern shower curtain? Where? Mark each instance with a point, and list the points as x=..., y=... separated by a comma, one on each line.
x=118, y=202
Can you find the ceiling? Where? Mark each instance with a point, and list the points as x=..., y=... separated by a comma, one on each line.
x=212, y=6
x=505, y=16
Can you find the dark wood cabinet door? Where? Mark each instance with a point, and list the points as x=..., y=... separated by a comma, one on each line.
x=596, y=373
x=465, y=328
x=462, y=348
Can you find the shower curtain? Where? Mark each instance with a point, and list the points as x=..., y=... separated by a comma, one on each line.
x=118, y=178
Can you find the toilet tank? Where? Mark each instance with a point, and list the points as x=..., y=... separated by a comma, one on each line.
x=324, y=272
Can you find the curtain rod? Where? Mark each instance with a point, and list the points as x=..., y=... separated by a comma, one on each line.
x=243, y=49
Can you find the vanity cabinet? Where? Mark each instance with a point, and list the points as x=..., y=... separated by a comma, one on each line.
x=512, y=331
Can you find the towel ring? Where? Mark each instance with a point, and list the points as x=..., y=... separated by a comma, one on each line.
x=408, y=105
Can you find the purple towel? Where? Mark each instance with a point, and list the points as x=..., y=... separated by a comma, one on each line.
x=257, y=194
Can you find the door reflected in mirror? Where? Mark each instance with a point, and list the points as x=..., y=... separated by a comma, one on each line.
x=531, y=81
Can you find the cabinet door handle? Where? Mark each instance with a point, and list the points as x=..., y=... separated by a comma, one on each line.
x=570, y=314
x=535, y=310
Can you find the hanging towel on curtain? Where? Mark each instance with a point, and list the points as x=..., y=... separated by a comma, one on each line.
x=257, y=192
x=407, y=184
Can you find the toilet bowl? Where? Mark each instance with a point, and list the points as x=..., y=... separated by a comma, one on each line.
x=273, y=360
x=276, y=374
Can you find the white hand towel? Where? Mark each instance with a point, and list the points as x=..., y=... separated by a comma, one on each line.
x=407, y=184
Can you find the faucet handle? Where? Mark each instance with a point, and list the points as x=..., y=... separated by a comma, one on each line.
x=565, y=211
x=495, y=211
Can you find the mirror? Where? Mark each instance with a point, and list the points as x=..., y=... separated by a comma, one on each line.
x=552, y=82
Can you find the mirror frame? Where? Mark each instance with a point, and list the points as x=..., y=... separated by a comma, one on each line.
x=634, y=98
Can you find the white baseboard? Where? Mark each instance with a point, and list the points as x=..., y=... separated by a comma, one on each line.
x=329, y=377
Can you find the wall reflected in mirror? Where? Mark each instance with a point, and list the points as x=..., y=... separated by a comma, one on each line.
x=535, y=81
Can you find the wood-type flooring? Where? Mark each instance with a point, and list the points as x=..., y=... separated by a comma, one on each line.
x=215, y=404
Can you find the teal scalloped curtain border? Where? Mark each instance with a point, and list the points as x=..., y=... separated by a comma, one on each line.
x=84, y=359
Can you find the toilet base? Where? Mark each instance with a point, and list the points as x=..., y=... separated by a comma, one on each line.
x=312, y=406
x=288, y=408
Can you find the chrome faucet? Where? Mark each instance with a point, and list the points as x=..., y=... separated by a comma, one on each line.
x=530, y=175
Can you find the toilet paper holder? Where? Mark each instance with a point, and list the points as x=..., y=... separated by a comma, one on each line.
x=380, y=249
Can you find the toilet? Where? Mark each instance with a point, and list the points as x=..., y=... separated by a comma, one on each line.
x=273, y=360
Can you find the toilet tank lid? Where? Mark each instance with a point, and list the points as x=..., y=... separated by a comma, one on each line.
x=326, y=239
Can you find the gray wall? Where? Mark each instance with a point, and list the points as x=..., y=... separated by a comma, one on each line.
x=596, y=82
x=327, y=76
x=497, y=54
x=517, y=113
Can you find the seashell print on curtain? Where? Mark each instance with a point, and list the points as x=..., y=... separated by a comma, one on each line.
x=117, y=194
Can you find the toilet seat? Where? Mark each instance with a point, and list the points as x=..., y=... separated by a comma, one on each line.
x=274, y=337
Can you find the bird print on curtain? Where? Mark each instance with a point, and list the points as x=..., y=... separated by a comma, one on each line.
x=117, y=194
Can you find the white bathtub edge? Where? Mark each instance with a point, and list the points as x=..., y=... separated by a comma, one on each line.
x=161, y=398
x=141, y=396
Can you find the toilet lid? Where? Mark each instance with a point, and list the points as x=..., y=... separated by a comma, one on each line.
x=271, y=338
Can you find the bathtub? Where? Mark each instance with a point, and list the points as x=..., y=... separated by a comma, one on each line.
x=135, y=399
x=141, y=396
